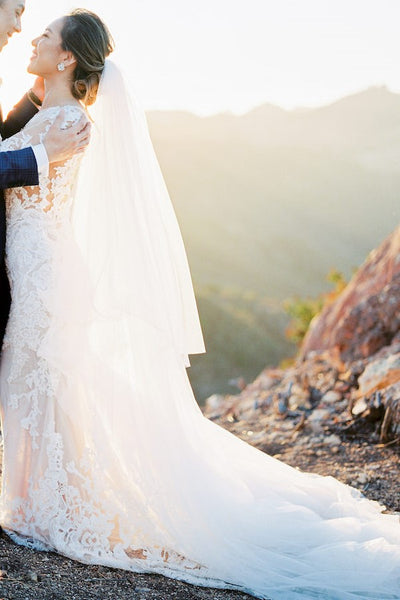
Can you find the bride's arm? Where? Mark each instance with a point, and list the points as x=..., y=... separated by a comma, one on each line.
x=43, y=142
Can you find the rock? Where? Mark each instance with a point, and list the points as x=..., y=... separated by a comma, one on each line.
x=391, y=420
x=32, y=576
x=267, y=379
x=366, y=315
x=214, y=402
x=315, y=440
x=297, y=390
x=319, y=414
x=299, y=401
x=379, y=374
x=332, y=440
x=359, y=407
x=315, y=394
x=272, y=436
x=342, y=387
x=316, y=427
x=3, y=574
x=331, y=397
x=282, y=406
x=263, y=400
x=238, y=382
x=258, y=437
x=362, y=478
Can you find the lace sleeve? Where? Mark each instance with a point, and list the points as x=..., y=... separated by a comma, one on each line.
x=55, y=190
x=36, y=129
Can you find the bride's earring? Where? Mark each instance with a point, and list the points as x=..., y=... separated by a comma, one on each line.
x=61, y=66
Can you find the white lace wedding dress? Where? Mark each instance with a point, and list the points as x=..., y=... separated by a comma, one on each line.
x=153, y=490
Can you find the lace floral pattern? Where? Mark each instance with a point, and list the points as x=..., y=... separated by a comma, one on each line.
x=60, y=508
x=30, y=263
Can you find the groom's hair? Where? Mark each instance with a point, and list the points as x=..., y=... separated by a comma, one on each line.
x=88, y=38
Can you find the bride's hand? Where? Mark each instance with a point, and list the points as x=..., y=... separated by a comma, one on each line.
x=62, y=144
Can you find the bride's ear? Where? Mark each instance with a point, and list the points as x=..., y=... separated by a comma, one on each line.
x=69, y=59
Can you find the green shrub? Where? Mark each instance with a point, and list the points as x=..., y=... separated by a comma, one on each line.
x=302, y=310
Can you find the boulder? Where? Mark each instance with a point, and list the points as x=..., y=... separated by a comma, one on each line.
x=366, y=315
x=379, y=374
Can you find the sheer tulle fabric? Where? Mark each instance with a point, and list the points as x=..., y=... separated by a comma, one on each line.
x=127, y=229
x=107, y=456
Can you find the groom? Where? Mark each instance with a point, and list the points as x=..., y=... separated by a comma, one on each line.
x=23, y=167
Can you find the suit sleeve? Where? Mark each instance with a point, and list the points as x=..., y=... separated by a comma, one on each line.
x=18, y=168
x=18, y=117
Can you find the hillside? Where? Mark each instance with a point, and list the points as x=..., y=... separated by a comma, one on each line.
x=269, y=202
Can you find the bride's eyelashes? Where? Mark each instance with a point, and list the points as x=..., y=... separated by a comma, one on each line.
x=44, y=34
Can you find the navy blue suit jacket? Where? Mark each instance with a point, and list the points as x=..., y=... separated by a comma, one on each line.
x=17, y=168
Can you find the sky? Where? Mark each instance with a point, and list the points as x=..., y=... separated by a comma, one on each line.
x=211, y=56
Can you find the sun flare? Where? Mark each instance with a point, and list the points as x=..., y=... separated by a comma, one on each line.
x=219, y=55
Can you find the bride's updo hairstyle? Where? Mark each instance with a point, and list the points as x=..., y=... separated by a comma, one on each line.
x=88, y=38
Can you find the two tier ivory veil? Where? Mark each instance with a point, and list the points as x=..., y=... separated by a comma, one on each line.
x=129, y=235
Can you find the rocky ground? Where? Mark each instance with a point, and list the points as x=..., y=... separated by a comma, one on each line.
x=316, y=431
x=29, y=575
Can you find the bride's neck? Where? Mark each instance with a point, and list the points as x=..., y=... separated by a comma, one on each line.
x=57, y=93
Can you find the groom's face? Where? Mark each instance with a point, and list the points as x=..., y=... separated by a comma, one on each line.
x=10, y=19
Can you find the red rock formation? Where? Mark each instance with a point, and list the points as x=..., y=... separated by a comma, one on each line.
x=366, y=316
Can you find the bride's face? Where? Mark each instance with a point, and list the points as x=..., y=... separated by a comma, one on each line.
x=47, y=51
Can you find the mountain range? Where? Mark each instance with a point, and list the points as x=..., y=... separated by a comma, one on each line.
x=268, y=202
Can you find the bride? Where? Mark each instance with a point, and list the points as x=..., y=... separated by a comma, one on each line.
x=107, y=456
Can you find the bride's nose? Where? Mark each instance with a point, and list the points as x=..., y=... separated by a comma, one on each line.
x=34, y=42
